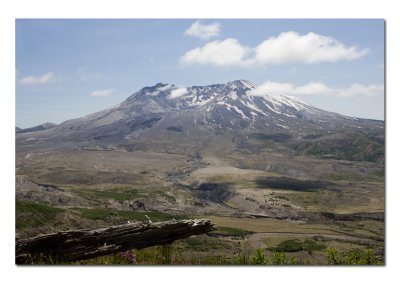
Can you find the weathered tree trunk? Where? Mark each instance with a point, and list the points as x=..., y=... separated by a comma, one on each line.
x=85, y=244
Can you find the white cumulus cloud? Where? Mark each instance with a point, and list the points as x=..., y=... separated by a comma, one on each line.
x=102, y=92
x=228, y=52
x=359, y=89
x=317, y=88
x=291, y=47
x=312, y=88
x=38, y=80
x=203, y=31
x=287, y=48
x=175, y=93
x=273, y=88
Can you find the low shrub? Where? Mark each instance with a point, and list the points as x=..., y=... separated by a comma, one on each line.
x=297, y=246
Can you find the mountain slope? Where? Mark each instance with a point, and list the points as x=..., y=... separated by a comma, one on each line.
x=168, y=118
x=40, y=127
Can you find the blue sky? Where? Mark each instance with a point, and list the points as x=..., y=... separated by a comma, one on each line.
x=70, y=68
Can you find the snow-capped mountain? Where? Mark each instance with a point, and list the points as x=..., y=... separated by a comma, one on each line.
x=192, y=116
x=223, y=105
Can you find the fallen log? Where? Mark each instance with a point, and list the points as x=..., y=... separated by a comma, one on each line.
x=85, y=244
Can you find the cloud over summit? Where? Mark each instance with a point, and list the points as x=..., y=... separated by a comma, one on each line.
x=318, y=88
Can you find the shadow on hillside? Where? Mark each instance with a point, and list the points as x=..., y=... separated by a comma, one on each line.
x=293, y=184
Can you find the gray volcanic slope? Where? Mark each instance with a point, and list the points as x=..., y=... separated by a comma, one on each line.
x=167, y=118
x=41, y=127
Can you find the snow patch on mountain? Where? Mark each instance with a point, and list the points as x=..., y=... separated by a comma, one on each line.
x=233, y=95
x=201, y=100
x=247, y=84
x=289, y=101
x=252, y=106
x=271, y=108
x=239, y=111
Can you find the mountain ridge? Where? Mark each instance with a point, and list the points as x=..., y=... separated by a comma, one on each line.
x=166, y=117
x=41, y=127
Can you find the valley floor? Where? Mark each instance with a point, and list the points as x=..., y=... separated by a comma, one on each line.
x=265, y=203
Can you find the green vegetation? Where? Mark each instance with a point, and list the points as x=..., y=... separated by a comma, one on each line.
x=289, y=246
x=277, y=258
x=30, y=214
x=112, y=259
x=343, y=177
x=121, y=194
x=353, y=257
x=313, y=136
x=204, y=244
x=346, y=146
x=296, y=246
x=234, y=232
x=176, y=254
x=116, y=194
x=280, y=197
x=294, y=182
x=279, y=137
x=124, y=215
